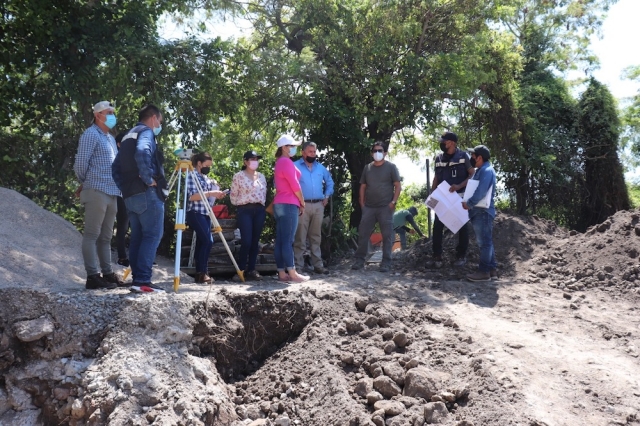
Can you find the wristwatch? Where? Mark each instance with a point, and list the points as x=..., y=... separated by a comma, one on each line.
x=394, y=202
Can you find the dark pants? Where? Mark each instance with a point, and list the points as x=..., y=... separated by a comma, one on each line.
x=122, y=226
x=463, y=239
x=250, y=220
x=370, y=216
x=201, y=225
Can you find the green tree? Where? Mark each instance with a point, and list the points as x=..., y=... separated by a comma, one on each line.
x=631, y=119
x=606, y=191
x=349, y=73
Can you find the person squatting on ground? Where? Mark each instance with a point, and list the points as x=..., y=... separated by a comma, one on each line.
x=122, y=221
x=452, y=166
x=197, y=216
x=379, y=191
x=249, y=195
x=288, y=204
x=482, y=217
x=317, y=187
x=98, y=194
x=400, y=220
x=138, y=171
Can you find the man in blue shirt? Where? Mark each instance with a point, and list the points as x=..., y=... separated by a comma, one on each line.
x=98, y=194
x=482, y=216
x=317, y=187
x=138, y=171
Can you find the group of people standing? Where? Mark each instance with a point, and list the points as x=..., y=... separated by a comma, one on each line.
x=130, y=174
x=135, y=172
x=457, y=167
x=302, y=191
x=380, y=188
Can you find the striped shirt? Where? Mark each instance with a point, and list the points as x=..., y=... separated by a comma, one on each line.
x=96, y=152
x=207, y=184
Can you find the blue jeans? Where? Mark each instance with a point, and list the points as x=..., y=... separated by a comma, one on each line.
x=201, y=225
x=482, y=223
x=250, y=219
x=146, y=218
x=286, y=224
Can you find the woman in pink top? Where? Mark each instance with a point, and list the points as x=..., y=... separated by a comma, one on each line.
x=288, y=204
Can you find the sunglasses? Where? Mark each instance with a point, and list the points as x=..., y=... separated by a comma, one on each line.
x=291, y=146
x=377, y=150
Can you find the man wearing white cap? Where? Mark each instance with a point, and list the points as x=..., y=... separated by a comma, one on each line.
x=98, y=194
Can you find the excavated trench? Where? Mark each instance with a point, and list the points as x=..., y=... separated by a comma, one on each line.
x=250, y=329
x=73, y=359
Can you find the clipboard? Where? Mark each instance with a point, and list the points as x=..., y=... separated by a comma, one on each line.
x=472, y=185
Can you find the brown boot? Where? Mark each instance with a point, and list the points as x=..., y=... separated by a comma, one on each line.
x=202, y=278
x=479, y=276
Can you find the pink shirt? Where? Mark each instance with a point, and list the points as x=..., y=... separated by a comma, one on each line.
x=286, y=178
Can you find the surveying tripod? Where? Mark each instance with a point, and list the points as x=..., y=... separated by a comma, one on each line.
x=185, y=168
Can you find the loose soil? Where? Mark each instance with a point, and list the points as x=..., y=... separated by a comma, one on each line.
x=553, y=342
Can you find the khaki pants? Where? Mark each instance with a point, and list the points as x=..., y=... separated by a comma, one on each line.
x=309, y=226
x=99, y=215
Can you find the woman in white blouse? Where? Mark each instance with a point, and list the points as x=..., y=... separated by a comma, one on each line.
x=249, y=194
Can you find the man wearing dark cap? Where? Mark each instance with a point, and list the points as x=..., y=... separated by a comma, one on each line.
x=400, y=220
x=454, y=167
x=482, y=212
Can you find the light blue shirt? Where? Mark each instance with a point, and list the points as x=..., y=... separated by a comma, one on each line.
x=486, y=176
x=316, y=183
x=96, y=152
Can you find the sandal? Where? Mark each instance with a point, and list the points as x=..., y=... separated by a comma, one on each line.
x=300, y=279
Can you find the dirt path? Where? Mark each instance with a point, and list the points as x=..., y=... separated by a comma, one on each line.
x=572, y=366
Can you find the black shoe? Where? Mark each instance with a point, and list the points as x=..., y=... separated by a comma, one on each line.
x=358, y=264
x=95, y=282
x=123, y=262
x=253, y=276
x=113, y=278
x=384, y=267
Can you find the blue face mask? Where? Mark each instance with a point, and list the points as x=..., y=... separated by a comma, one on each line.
x=157, y=130
x=110, y=121
x=293, y=151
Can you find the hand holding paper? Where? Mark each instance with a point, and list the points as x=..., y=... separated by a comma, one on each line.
x=448, y=206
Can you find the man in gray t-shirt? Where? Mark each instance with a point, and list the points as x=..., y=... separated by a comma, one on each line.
x=379, y=191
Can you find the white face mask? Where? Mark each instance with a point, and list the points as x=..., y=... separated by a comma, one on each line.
x=378, y=156
x=253, y=164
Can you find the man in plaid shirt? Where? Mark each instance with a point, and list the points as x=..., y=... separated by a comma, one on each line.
x=98, y=194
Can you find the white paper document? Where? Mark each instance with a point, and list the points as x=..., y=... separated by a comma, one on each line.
x=448, y=207
x=472, y=185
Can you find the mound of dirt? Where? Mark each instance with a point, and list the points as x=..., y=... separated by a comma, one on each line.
x=606, y=256
x=516, y=240
x=39, y=248
x=411, y=347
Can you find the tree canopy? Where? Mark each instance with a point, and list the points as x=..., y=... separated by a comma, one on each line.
x=340, y=73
